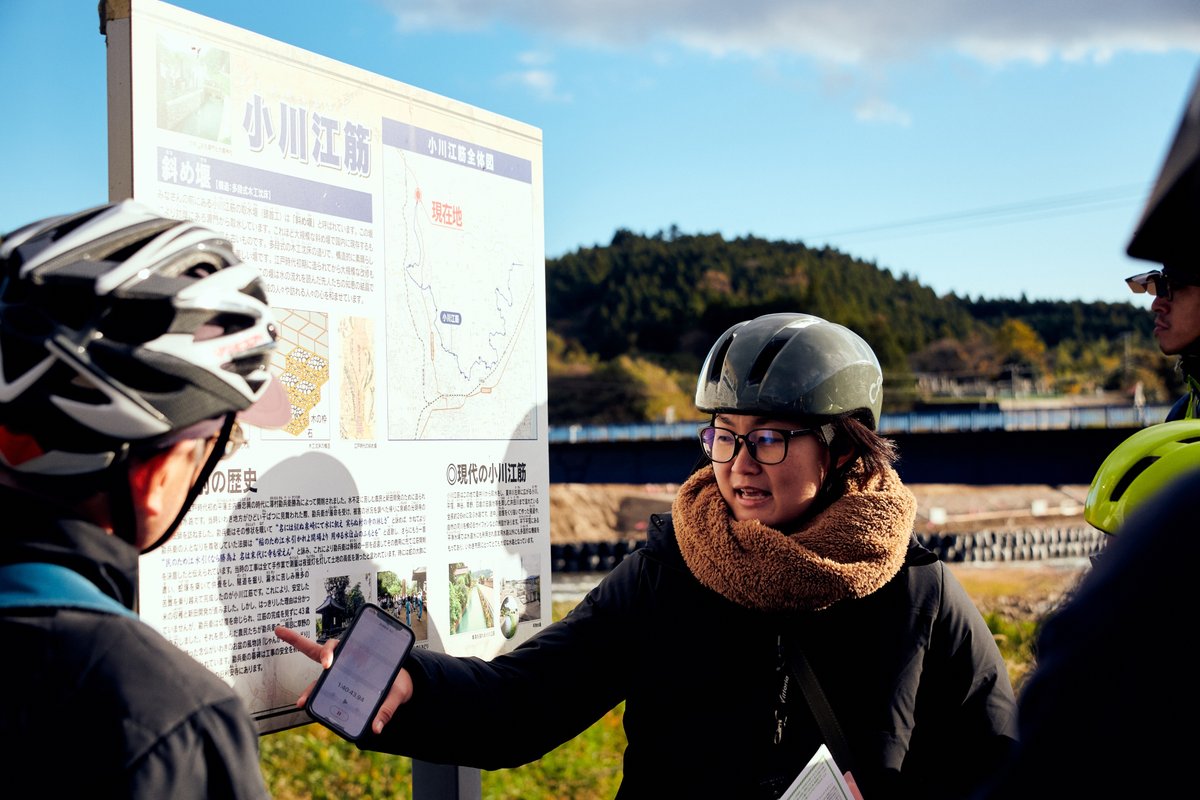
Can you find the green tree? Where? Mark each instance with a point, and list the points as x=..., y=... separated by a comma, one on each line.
x=355, y=599
x=390, y=584
x=661, y=300
x=335, y=587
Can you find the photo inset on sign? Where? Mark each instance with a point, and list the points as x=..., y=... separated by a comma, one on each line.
x=472, y=599
x=342, y=599
x=405, y=597
x=521, y=598
x=193, y=88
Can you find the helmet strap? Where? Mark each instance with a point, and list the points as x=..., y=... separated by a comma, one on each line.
x=120, y=502
x=1189, y=361
x=214, y=457
x=1193, y=403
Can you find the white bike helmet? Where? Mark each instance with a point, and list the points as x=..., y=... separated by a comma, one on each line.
x=119, y=328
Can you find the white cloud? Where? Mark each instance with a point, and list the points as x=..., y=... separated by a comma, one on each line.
x=852, y=43
x=533, y=58
x=840, y=32
x=543, y=83
x=881, y=111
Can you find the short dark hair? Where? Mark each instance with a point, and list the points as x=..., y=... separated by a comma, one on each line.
x=874, y=452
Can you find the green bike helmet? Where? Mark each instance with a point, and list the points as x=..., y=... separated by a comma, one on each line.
x=1138, y=468
x=793, y=366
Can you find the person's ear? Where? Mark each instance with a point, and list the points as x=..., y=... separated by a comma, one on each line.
x=839, y=449
x=150, y=477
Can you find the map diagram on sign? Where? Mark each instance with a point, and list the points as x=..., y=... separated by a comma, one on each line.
x=301, y=362
x=357, y=401
x=460, y=288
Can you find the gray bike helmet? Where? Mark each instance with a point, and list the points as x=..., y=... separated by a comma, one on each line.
x=119, y=328
x=791, y=365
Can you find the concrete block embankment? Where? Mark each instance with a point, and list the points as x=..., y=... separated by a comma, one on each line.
x=1027, y=544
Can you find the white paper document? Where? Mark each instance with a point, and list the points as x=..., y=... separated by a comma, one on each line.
x=819, y=780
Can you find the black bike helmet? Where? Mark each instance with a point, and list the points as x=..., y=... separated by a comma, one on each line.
x=119, y=327
x=1167, y=232
x=793, y=366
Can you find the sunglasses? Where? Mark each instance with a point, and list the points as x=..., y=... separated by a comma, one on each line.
x=1156, y=284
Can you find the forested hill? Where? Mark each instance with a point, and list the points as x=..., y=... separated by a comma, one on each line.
x=645, y=303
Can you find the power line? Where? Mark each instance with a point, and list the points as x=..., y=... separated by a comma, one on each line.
x=1042, y=208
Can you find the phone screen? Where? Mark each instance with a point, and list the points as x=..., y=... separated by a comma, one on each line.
x=366, y=661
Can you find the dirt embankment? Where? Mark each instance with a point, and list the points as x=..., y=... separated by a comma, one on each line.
x=604, y=512
x=607, y=512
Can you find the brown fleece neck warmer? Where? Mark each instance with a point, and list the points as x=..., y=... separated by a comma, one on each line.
x=850, y=549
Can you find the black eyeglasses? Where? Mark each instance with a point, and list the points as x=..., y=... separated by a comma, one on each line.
x=1156, y=284
x=765, y=445
x=237, y=438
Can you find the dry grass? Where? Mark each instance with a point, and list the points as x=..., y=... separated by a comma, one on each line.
x=1015, y=600
x=1025, y=591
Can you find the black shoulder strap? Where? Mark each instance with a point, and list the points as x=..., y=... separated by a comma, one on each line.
x=819, y=705
x=39, y=585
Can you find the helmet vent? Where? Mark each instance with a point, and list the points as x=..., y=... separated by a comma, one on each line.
x=228, y=323
x=717, y=361
x=766, y=356
x=128, y=250
x=146, y=375
x=82, y=389
x=75, y=305
x=136, y=322
x=1129, y=477
x=197, y=264
x=62, y=230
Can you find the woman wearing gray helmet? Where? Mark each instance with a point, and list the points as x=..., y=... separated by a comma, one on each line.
x=792, y=545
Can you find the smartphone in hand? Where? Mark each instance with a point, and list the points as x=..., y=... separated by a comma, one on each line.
x=367, y=659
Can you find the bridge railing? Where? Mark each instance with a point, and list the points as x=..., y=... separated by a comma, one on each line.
x=1024, y=419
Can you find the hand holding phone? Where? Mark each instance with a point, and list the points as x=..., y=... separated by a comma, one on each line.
x=368, y=657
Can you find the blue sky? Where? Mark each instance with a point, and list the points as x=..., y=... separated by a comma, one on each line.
x=983, y=148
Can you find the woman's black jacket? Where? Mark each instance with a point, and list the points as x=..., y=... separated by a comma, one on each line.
x=911, y=671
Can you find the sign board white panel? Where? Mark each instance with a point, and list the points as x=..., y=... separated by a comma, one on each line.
x=401, y=237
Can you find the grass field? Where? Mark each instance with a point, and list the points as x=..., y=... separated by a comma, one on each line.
x=311, y=762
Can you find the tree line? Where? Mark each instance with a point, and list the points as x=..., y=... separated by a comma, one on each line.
x=629, y=324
